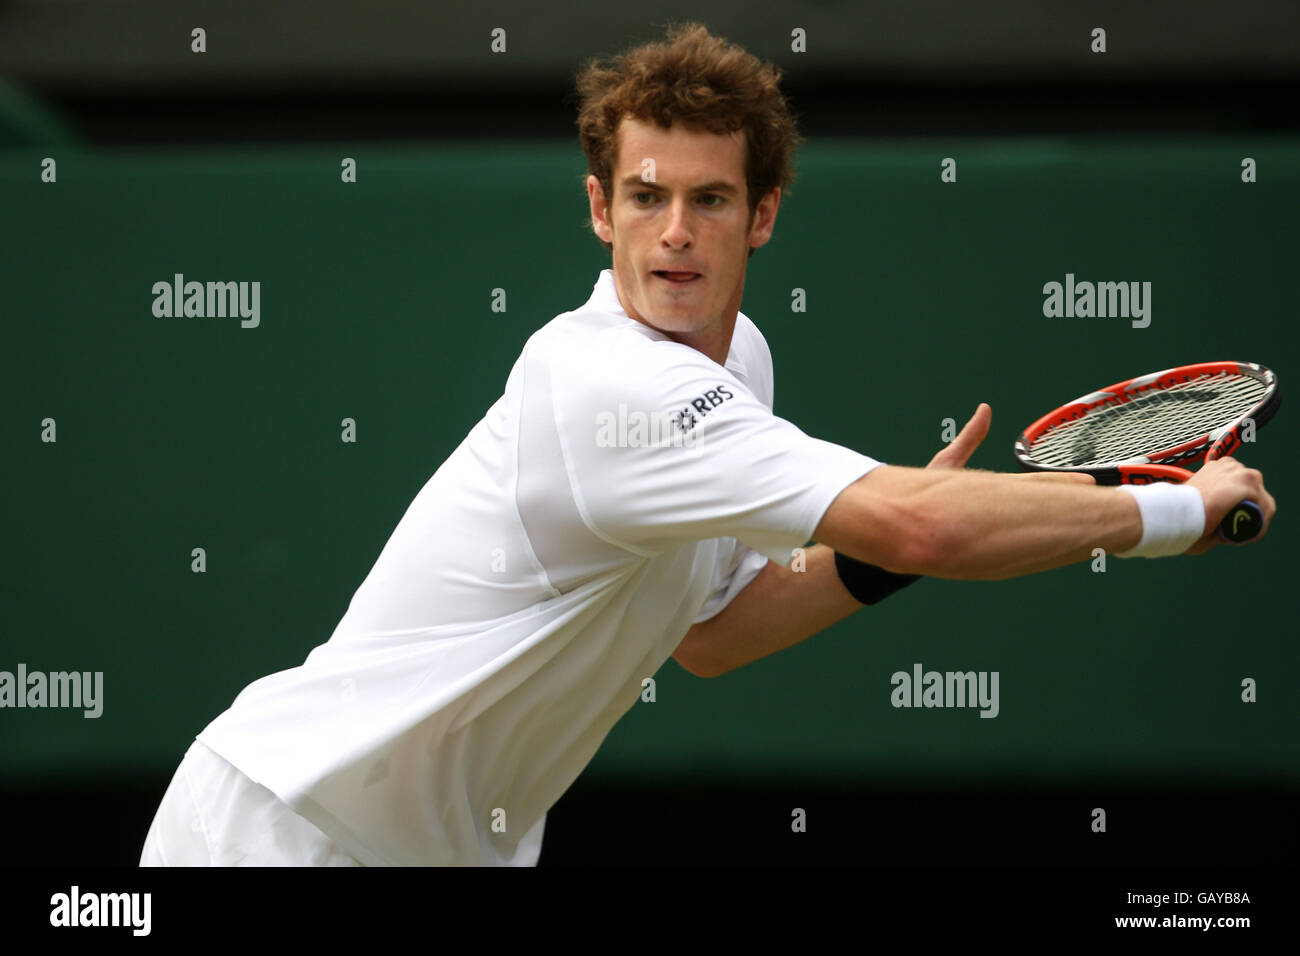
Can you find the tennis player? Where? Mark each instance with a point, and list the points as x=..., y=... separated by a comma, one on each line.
x=630, y=497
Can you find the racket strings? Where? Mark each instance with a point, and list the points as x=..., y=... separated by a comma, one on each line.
x=1153, y=421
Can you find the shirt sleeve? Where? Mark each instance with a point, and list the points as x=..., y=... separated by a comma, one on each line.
x=743, y=568
x=663, y=446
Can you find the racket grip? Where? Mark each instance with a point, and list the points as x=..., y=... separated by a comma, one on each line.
x=1243, y=523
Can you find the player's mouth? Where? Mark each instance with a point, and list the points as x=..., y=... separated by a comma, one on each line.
x=677, y=278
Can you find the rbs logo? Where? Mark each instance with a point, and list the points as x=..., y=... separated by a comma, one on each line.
x=689, y=416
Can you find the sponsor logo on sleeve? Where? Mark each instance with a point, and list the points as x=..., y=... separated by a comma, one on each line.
x=699, y=407
x=674, y=428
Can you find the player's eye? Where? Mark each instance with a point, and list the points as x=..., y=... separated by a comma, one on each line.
x=636, y=198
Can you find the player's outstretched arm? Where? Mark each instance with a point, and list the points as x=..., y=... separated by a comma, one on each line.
x=987, y=526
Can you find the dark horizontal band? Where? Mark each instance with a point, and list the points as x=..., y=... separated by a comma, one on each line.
x=868, y=583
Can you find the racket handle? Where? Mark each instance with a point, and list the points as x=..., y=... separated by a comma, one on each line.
x=1243, y=523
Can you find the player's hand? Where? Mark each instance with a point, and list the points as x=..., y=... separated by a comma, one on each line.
x=958, y=451
x=1223, y=483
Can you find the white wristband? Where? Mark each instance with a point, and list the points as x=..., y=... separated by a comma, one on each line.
x=1173, y=519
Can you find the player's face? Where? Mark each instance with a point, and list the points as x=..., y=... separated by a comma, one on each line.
x=681, y=228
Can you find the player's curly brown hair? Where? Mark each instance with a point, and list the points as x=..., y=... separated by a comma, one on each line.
x=697, y=79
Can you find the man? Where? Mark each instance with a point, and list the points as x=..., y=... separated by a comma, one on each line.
x=630, y=497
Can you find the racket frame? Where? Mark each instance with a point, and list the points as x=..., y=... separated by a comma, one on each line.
x=1164, y=464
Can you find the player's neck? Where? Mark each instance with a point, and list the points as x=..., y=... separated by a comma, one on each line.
x=714, y=341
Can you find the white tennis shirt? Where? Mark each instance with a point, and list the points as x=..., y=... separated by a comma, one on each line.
x=623, y=488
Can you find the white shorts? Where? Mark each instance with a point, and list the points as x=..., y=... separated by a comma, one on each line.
x=213, y=815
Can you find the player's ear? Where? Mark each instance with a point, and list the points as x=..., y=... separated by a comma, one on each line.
x=599, y=209
x=763, y=220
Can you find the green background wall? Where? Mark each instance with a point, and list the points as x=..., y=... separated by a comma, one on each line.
x=376, y=305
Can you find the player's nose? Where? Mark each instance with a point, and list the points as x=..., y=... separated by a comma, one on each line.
x=677, y=225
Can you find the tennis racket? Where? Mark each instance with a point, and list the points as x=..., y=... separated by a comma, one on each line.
x=1149, y=428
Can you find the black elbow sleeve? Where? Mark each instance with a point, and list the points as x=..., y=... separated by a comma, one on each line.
x=868, y=583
